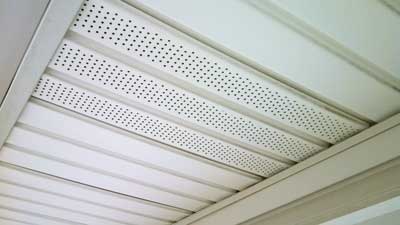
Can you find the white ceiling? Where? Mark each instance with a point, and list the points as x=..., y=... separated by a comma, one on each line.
x=136, y=122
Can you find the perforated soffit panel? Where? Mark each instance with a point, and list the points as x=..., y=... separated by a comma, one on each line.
x=144, y=125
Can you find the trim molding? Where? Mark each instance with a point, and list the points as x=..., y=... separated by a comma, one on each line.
x=307, y=177
x=19, y=20
x=371, y=187
x=55, y=22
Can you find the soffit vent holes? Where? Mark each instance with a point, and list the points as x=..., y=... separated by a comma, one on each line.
x=106, y=73
x=79, y=100
x=129, y=33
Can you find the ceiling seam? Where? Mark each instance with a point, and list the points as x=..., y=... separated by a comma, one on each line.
x=139, y=137
x=91, y=187
x=81, y=200
x=73, y=164
x=62, y=208
x=119, y=156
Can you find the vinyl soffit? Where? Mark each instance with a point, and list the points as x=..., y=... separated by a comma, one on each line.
x=151, y=44
x=122, y=83
x=92, y=134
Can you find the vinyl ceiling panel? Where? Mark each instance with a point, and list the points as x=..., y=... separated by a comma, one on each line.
x=127, y=117
x=50, y=184
x=277, y=39
x=142, y=89
x=93, y=135
x=28, y=186
x=189, y=62
x=72, y=154
x=134, y=122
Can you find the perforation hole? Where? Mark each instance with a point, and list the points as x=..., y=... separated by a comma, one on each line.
x=125, y=117
x=127, y=33
x=123, y=80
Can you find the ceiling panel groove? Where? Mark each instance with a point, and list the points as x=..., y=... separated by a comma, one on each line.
x=41, y=209
x=78, y=212
x=32, y=218
x=26, y=193
x=96, y=179
x=169, y=172
x=19, y=153
x=153, y=45
x=71, y=190
x=18, y=190
x=12, y=221
x=94, y=134
x=93, y=160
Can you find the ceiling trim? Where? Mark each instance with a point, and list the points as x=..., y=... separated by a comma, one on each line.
x=25, y=16
x=358, y=192
x=327, y=42
x=55, y=22
x=300, y=180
